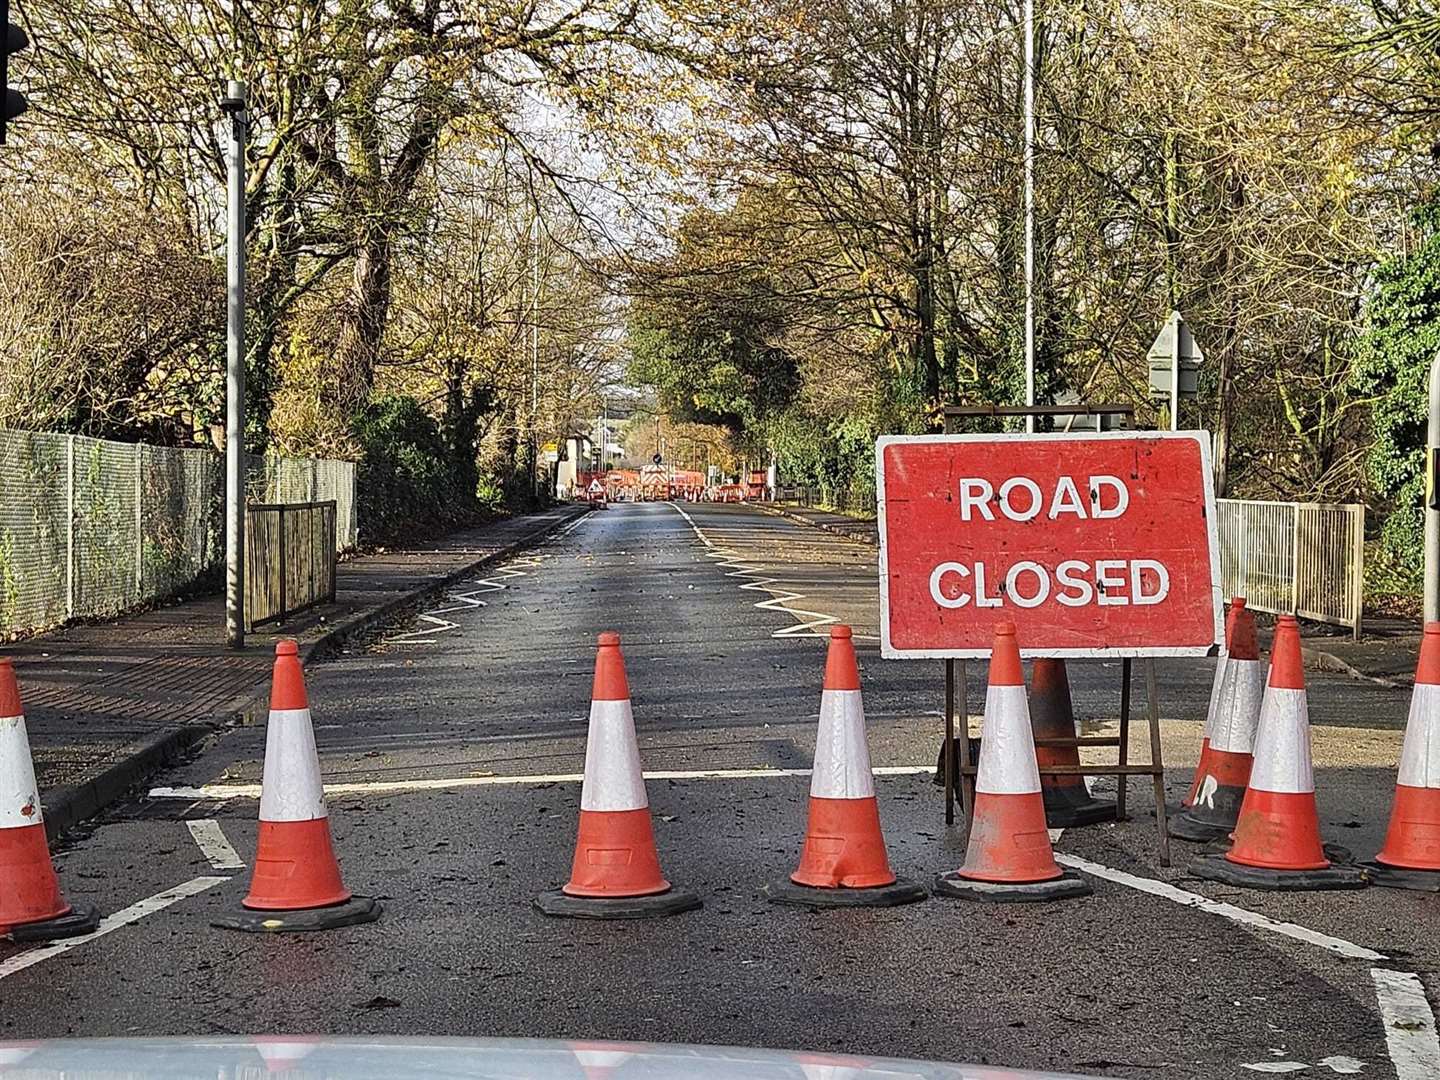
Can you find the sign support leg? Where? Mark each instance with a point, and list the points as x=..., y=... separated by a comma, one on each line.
x=1121, y=781
x=1156, y=762
x=967, y=782
x=947, y=750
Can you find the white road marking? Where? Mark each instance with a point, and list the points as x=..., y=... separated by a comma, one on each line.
x=464, y=601
x=781, y=598
x=1167, y=891
x=1409, y=1024
x=210, y=838
x=134, y=913
x=1276, y=1066
x=252, y=791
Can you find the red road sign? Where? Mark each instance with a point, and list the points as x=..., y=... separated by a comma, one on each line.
x=1094, y=545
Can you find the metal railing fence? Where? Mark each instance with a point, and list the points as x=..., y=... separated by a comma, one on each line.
x=1291, y=557
x=841, y=500
x=90, y=528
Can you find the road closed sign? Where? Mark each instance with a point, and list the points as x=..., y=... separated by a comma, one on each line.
x=1093, y=545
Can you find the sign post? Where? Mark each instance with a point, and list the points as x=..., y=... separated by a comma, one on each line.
x=1174, y=362
x=1095, y=545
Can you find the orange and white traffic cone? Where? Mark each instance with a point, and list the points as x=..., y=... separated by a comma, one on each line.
x=1068, y=802
x=1215, y=687
x=31, y=906
x=1227, y=753
x=1008, y=857
x=1277, y=836
x=843, y=862
x=296, y=883
x=1410, y=858
x=616, y=871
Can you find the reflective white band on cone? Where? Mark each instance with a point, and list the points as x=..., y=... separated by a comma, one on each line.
x=19, y=794
x=1007, y=748
x=1237, y=709
x=1420, y=755
x=1282, y=744
x=613, y=780
x=842, y=756
x=1215, y=689
x=291, y=789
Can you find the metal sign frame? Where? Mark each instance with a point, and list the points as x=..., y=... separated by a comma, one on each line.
x=1200, y=438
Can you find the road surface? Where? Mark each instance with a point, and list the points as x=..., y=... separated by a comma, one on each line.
x=457, y=735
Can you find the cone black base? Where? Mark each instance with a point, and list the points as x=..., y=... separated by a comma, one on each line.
x=1068, y=811
x=353, y=912
x=1184, y=827
x=563, y=906
x=1399, y=877
x=80, y=919
x=1064, y=887
x=900, y=891
x=1218, y=868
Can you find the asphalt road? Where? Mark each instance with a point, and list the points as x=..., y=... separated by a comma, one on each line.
x=723, y=613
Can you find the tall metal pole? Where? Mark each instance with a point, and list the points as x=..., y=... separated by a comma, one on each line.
x=233, y=106
x=1174, y=371
x=1432, y=516
x=535, y=355
x=1029, y=211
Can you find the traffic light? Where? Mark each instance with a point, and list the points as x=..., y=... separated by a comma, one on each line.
x=13, y=103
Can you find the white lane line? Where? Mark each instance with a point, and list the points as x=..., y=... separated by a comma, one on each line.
x=252, y=791
x=134, y=913
x=1167, y=891
x=464, y=601
x=780, y=599
x=210, y=838
x=1409, y=1024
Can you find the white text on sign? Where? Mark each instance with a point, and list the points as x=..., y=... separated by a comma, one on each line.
x=1028, y=584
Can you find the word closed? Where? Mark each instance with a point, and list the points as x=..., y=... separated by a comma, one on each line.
x=1092, y=544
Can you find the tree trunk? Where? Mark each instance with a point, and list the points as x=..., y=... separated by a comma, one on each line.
x=362, y=324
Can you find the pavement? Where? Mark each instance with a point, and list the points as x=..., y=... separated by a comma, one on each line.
x=452, y=740
x=109, y=702
x=1385, y=652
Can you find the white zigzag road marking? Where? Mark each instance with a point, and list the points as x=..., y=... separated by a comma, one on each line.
x=463, y=601
x=781, y=598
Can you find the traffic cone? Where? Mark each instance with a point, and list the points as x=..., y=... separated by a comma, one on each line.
x=1068, y=802
x=1008, y=857
x=1215, y=687
x=31, y=906
x=616, y=871
x=843, y=863
x=1227, y=752
x=1277, y=836
x=1410, y=858
x=296, y=884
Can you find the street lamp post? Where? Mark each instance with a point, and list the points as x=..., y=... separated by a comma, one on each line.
x=233, y=106
x=1432, y=498
x=1029, y=167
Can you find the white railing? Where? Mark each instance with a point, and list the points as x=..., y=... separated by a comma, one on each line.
x=90, y=528
x=1302, y=558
